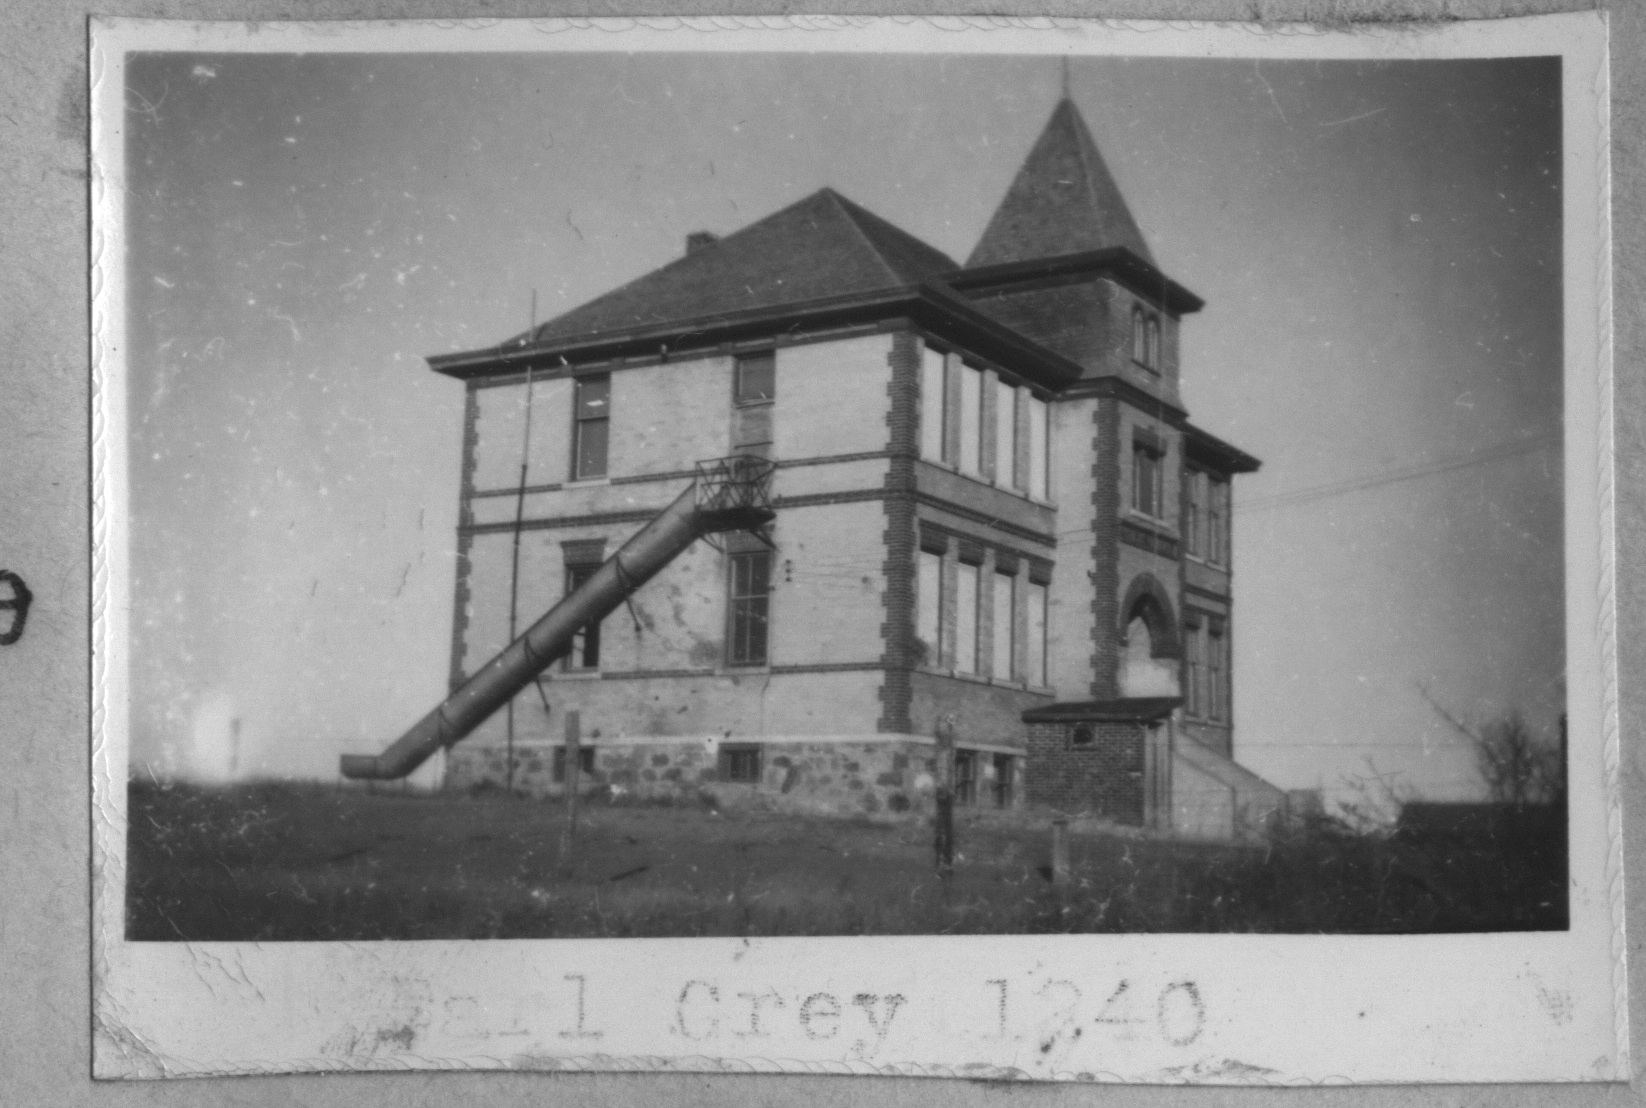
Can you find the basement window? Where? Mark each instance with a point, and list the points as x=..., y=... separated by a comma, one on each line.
x=740, y=763
x=585, y=763
x=1083, y=735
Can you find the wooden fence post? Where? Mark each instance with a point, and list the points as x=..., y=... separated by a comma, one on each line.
x=944, y=778
x=1060, y=852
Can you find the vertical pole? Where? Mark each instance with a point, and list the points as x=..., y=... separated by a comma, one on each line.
x=514, y=567
x=574, y=770
x=944, y=776
x=1060, y=852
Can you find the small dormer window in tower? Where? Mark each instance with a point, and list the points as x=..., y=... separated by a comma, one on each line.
x=1146, y=339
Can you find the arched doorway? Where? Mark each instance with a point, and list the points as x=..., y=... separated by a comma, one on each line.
x=1150, y=647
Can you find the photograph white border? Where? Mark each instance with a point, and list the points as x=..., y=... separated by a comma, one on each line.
x=1265, y=1008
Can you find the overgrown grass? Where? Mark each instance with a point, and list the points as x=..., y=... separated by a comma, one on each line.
x=306, y=862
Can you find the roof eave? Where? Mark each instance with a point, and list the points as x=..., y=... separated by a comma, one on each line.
x=1207, y=447
x=1136, y=273
x=928, y=304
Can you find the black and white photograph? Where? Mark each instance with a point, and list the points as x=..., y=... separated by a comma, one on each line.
x=783, y=494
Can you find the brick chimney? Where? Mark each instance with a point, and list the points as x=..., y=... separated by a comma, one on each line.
x=697, y=240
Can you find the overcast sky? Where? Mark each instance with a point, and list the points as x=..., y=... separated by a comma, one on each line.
x=1378, y=245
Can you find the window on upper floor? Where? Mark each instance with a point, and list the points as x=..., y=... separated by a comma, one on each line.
x=1148, y=478
x=1194, y=524
x=955, y=403
x=748, y=607
x=754, y=388
x=1146, y=339
x=1040, y=445
x=756, y=377
x=932, y=402
x=971, y=420
x=591, y=431
x=1217, y=521
x=1005, y=435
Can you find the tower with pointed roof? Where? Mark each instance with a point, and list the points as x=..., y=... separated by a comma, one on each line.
x=992, y=508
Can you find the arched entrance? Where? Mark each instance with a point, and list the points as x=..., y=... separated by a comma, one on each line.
x=1150, y=645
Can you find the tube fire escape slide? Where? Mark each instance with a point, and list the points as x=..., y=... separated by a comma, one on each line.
x=728, y=494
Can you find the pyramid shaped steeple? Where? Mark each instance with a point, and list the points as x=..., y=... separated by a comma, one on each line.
x=1063, y=201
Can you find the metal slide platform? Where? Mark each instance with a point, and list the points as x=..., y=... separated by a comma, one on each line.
x=727, y=494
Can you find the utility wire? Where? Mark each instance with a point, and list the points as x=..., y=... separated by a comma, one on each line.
x=1498, y=452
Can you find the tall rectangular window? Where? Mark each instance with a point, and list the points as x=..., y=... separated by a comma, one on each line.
x=1194, y=700
x=1005, y=595
x=929, y=606
x=749, y=604
x=1036, y=645
x=585, y=652
x=965, y=619
x=1194, y=495
x=756, y=377
x=965, y=777
x=1005, y=433
x=1217, y=521
x=931, y=404
x=592, y=429
x=1147, y=472
x=1217, y=674
x=1039, y=447
x=971, y=419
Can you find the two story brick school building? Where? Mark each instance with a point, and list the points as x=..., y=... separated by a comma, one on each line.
x=991, y=505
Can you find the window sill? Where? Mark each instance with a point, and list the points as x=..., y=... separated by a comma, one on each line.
x=1152, y=371
x=578, y=675
x=730, y=670
x=587, y=482
x=1154, y=523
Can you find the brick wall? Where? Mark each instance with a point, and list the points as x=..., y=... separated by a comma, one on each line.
x=1102, y=779
x=1106, y=507
x=898, y=570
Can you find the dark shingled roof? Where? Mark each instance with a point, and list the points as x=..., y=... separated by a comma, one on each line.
x=1063, y=201
x=818, y=247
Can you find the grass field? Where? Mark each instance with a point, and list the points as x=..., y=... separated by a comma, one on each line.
x=306, y=862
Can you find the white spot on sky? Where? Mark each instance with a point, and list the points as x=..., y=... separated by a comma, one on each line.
x=203, y=73
x=238, y=184
x=163, y=283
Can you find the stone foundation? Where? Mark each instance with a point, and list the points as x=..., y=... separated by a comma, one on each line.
x=833, y=777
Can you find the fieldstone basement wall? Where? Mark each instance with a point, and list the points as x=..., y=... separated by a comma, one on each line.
x=820, y=778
